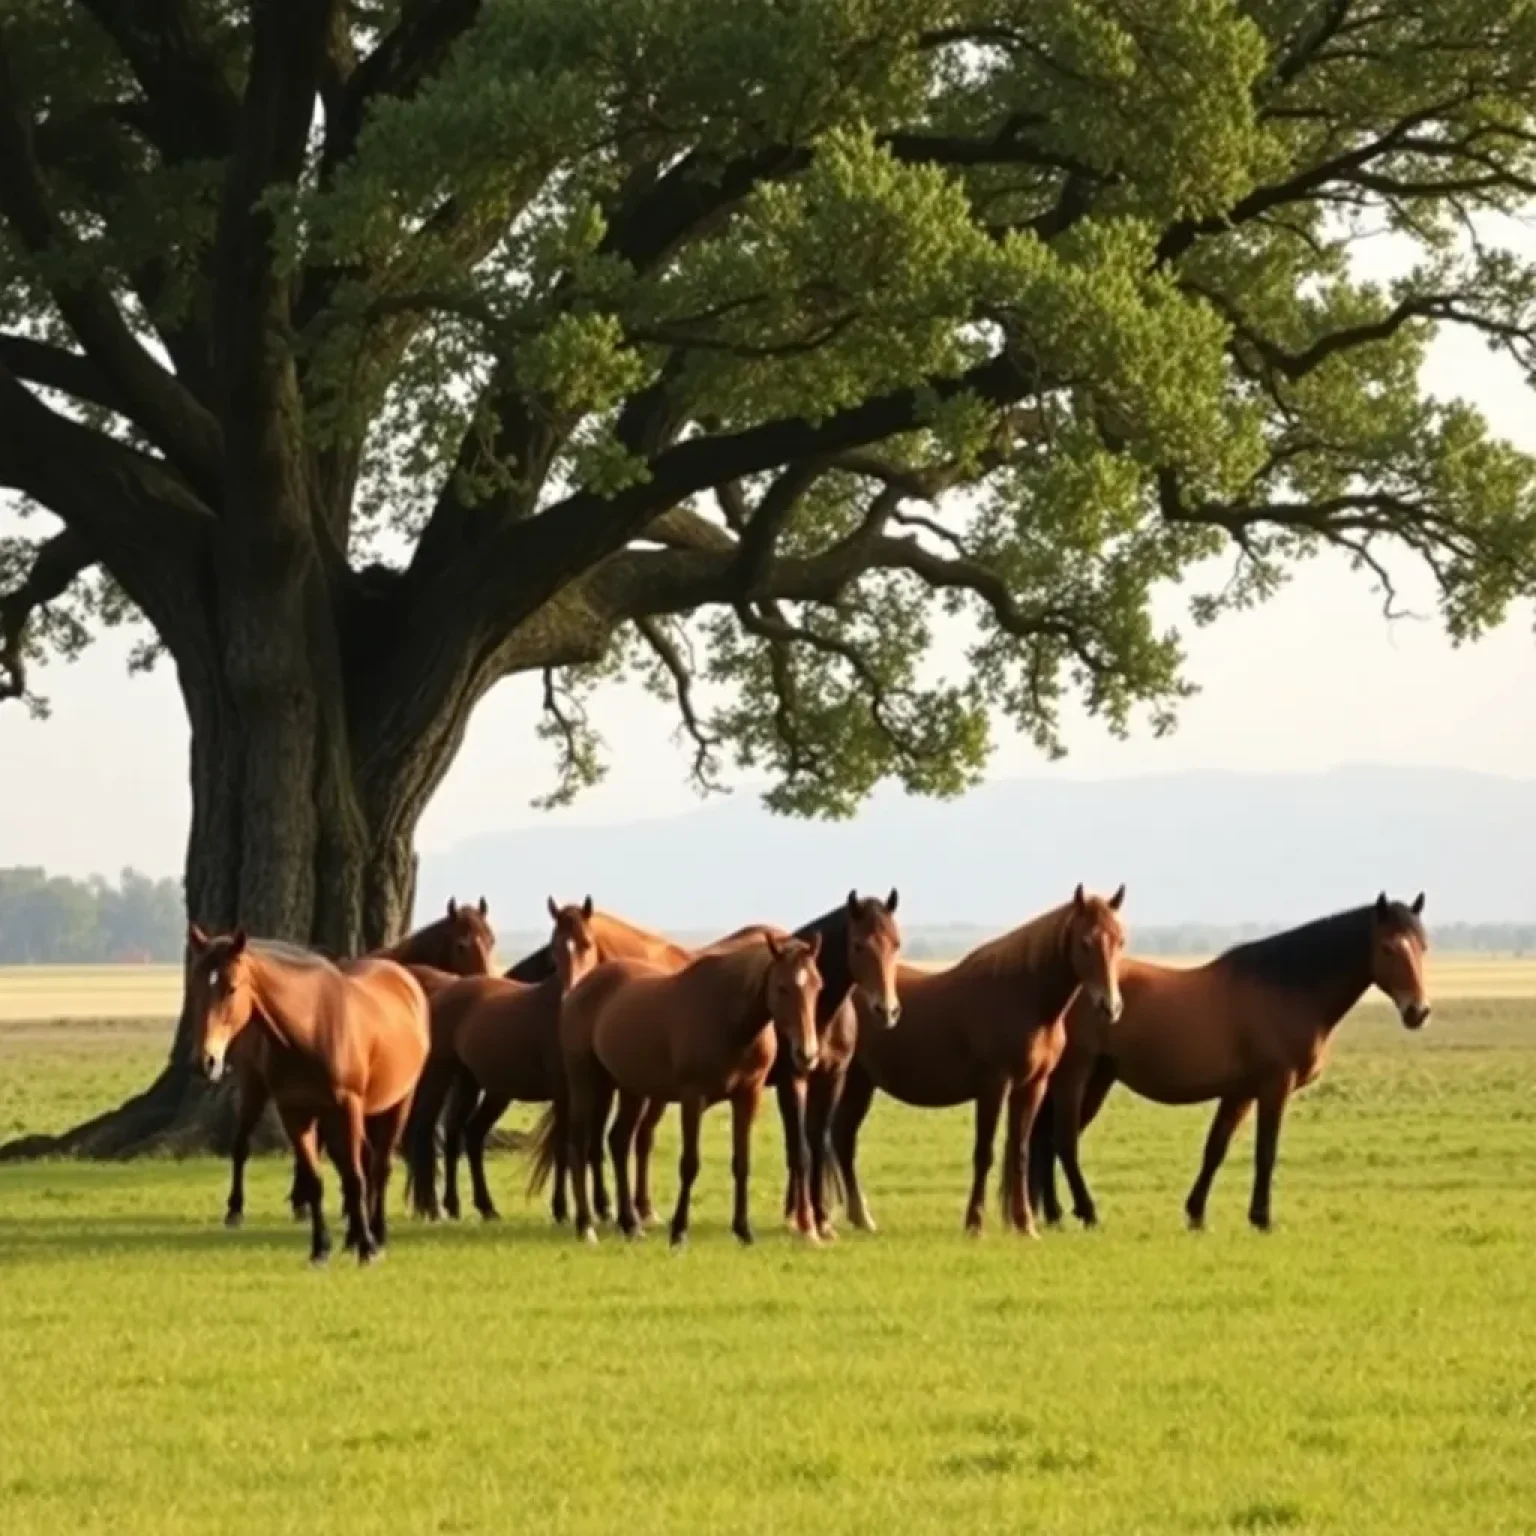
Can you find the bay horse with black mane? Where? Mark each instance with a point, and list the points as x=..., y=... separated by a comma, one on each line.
x=496, y=1041
x=443, y=1081
x=461, y=943
x=988, y=1030
x=859, y=944
x=344, y=1050
x=1247, y=1029
x=708, y=1032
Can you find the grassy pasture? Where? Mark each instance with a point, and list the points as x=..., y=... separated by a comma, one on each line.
x=1370, y=1366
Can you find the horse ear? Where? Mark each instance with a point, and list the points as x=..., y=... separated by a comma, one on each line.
x=853, y=902
x=1117, y=898
x=1078, y=899
x=890, y=901
x=1418, y=904
x=453, y=907
x=586, y=908
x=237, y=942
x=814, y=944
x=554, y=911
x=774, y=947
x=197, y=940
x=485, y=910
x=1382, y=906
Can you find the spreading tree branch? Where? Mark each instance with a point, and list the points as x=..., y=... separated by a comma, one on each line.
x=56, y=564
x=671, y=658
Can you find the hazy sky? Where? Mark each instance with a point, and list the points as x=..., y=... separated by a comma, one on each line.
x=1314, y=679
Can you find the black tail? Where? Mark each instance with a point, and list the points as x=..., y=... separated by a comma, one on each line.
x=544, y=1148
x=421, y=1130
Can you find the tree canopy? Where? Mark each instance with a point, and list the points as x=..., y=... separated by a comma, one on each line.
x=412, y=345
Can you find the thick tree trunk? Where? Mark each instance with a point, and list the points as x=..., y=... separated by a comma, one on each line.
x=268, y=848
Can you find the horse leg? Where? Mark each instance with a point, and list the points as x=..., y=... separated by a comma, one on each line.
x=253, y=1100
x=462, y=1101
x=1069, y=1098
x=1230, y=1114
x=989, y=1106
x=559, y=1206
x=621, y=1141
x=645, y=1142
x=823, y=1093
x=1023, y=1106
x=306, y=1150
x=473, y=1133
x=596, y=1155
x=1043, y=1195
x=348, y=1151
x=858, y=1094
x=1266, y=1143
x=744, y=1106
x=687, y=1167
x=384, y=1131
x=794, y=1094
x=588, y=1109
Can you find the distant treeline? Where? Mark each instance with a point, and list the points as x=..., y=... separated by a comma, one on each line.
x=53, y=920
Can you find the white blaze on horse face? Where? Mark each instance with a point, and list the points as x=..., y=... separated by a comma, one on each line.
x=802, y=978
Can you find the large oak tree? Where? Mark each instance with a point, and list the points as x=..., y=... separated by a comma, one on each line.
x=371, y=353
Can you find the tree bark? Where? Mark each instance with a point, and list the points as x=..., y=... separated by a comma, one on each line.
x=284, y=841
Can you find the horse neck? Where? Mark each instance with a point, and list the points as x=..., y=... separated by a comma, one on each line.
x=1039, y=953
x=281, y=1008
x=733, y=988
x=836, y=973
x=1337, y=996
x=618, y=940
x=423, y=947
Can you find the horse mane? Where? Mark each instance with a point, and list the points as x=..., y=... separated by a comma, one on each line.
x=601, y=920
x=1027, y=946
x=832, y=962
x=1326, y=948
x=291, y=954
x=537, y=966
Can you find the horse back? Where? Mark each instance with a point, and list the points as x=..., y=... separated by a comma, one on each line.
x=508, y=1038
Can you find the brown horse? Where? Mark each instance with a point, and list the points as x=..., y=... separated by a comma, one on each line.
x=443, y=1080
x=344, y=1051
x=986, y=1030
x=461, y=943
x=502, y=1040
x=1249, y=1028
x=859, y=945
x=694, y=1036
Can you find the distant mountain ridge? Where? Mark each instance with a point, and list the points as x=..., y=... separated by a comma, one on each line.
x=1207, y=848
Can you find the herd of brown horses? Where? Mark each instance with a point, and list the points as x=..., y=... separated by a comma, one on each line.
x=608, y=1023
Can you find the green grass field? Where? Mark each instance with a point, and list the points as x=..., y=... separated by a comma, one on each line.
x=1370, y=1366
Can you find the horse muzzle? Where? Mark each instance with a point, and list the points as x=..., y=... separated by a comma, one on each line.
x=1413, y=1015
x=804, y=1060
x=1110, y=1006
x=887, y=1014
x=213, y=1065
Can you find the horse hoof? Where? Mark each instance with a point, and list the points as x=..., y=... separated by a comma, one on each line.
x=588, y=1235
x=744, y=1236
x=490, y=1213
x=646, y=1215
x=1261, y=1223
x=827, y=1232
x=320, y=1259
x=1194, y=1221
x=234, y=1220
x=1030, y=1231
x=679, y=1239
